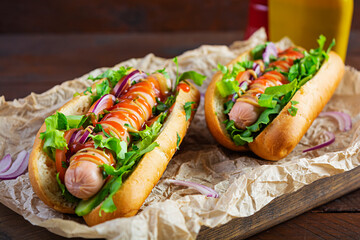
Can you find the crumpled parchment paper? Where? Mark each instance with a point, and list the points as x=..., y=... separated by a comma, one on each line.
x=245, y=183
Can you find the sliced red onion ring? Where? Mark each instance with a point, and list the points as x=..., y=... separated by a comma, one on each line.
x=270, y=49
x=244, y=85
x=18, y=166
x=234, y=97
x=256, y=68
x=343, y=119
x=209, y=192
x=331, y=137
x=102, y=104
x=133, y=76
x=75, y=136
x=5, y=163
x=85, y=136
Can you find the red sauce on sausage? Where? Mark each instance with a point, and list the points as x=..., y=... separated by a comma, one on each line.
x=184, y=87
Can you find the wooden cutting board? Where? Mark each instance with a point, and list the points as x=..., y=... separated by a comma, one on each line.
x=286, y=207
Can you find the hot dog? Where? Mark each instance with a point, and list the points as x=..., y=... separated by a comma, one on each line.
x=269, y=113
x=111, y=144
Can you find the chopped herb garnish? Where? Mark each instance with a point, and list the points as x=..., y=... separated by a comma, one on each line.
x=188, y=109
x=293, y=110
x=163, y=72
x=197, y=78
x=112, y=143
x=112, y=75
x=228, y=106
x=88, y=89
x=178, y=139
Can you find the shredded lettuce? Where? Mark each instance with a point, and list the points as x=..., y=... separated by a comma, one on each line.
x=256, y=52
x=163, y=106
x=197, y=78
x=228, y=106
x=112, y=75
x=227, y=87
x=104, y=87
x=178, y=140
x=54, y=135
x=163, y=72
x=188, y=109
x=112, y=143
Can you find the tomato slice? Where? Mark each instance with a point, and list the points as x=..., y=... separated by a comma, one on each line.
x=60, y=156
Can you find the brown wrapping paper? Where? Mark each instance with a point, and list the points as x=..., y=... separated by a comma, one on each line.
x=246, y=184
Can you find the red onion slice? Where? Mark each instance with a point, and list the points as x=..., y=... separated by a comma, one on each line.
x=135, y=75
x=74, y=137
x=5, y=163
x=104, y=103
x=85, y=136
x=331, y=137
x=343, y=119
x=234, y=97
x=256, y=68
x=270, y=49
x=244, y=85
x=18, y=166
x=209, y=192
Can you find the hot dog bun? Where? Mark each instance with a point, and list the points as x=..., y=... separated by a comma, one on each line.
x=137, y=186
x=281, y=136
x=214, y=107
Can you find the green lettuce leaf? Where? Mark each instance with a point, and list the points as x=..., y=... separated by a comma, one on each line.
x=197, y=78
x=256, y=52
x=54, y=135
x=264, y=118
x=112, y=75
x=188, y=109
x=112, y=143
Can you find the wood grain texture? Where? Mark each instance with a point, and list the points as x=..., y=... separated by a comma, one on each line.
x=14, y=226
x=330, y=226
x=104, y=16
x=37, y=62
x=287, y=206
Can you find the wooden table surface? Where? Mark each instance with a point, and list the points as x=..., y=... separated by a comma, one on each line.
x=35, y=63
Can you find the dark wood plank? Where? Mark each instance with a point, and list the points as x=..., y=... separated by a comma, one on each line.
x=288, y=206
x=38, y=62
x=14, y=226
x=40, y=16
x=315, y=226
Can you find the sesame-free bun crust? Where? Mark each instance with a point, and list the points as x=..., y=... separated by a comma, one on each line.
x=281, y=136
x=137, y=186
